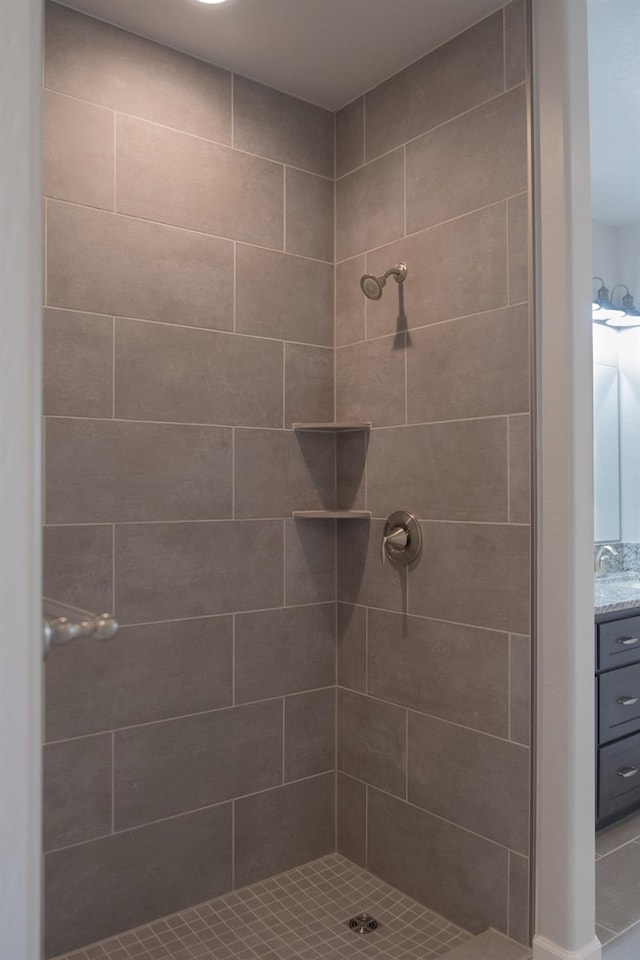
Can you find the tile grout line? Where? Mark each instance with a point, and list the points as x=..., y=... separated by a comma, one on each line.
x=504, y=50
x=113, y=568
x=233, y=844
x=115, y=162
x=284, y=739
x=406, y=755
x=195, y=810
x=438, y=718
x=186, y=326
x=113, y=782
x=509, y=641
x=113, y=368
x=233, y=661
x=508, y=438
x=187, y=716
x=192, y=230
x=411, y=235
x=508, y=251
x=233, y=110
x=284, y=565
x=195, y=136
x=425, y=133
x=284, y=209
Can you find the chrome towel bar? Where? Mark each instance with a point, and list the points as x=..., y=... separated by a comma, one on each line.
x=63, y=622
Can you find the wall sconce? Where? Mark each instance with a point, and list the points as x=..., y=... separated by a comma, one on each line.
x=604, y=310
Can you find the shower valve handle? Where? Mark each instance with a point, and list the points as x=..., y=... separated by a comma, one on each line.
x=399, y=538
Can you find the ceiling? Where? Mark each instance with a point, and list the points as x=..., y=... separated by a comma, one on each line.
x=614, y=91
x=324, y=51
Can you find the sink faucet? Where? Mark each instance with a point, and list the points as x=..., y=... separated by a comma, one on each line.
x=604, y=556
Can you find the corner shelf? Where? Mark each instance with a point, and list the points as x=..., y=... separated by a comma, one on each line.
x=331, y=514
x=336, y=426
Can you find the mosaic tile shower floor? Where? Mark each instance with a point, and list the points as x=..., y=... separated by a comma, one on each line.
x=302, y=913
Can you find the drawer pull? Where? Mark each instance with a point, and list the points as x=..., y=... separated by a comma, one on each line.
x=628, y=641
x=627, y=701
x=627, y=772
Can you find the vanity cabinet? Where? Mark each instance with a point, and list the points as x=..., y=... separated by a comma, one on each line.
x=617, y=714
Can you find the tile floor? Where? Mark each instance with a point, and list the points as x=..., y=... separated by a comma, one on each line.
x=300, y=914
x=618, y=887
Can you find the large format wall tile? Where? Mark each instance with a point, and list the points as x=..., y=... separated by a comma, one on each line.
x=351, y=815
x=279, y=295
x=284, y=651
x=273, y=124
x=520, y=712
x=183, y=180
x=350, y=137
x=77, y=364
x=454, y=269
x=198, y=376
x=165, y=768
x=473, y=367
x=282, y=828
x=476, y=573
x=361, y=577
x=466, y=880
x=309, y=734
x=78, y=151
x=166, y=571
x=308, y=373
x=450, y=80
x=309, y=215
x=352, y=648
x=94, y=61
x=442, y=471
x=310, y=561
x=443, y=758
x=116, y=265
x=77, y=790
x=140, y=874
x=372, y=741
x=370, y=206
x=518, y=223
x=514, y=42
x=136, y=471
x=78, y=566
x=441, y=183
x=457, y=673
x=296, y=472
x=144, y=674
x=370, y=382
x=350, y=302
x=519, y=868
x=519, y=469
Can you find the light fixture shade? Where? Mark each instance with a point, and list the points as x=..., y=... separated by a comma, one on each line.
x=630, y=317
x=606, y=311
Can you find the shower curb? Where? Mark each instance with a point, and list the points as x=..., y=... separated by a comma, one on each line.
x=489, y=945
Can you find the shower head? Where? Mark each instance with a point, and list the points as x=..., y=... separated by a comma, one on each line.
x=372, y=286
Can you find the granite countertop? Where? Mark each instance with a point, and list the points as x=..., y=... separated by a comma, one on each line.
x=617, y=591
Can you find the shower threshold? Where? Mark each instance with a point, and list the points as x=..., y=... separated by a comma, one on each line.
x=303, y=913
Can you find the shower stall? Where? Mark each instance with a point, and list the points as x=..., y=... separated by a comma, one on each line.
x=288, y=748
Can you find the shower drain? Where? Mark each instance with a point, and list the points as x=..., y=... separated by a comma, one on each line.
x=362, y=923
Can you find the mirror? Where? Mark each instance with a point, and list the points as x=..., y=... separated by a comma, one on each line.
x=606, y=441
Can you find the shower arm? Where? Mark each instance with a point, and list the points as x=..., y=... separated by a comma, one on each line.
x=399, y=273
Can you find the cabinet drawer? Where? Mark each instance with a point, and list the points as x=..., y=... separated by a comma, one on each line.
x=616, y=644
x=618, y=703
x=618, y=776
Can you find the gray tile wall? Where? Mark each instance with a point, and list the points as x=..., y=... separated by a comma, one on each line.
x=433, y=662
x=188, y=323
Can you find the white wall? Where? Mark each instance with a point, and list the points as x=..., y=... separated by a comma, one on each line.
x=616, y=258
x=20, y=379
